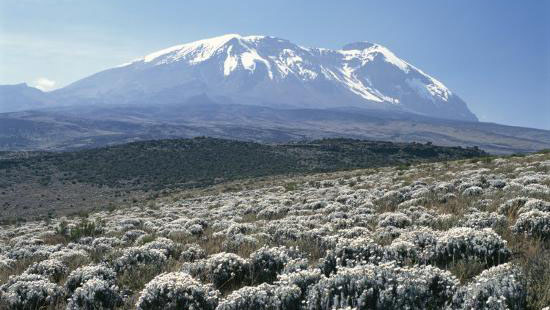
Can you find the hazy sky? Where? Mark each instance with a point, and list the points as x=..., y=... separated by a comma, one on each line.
x=494, y=54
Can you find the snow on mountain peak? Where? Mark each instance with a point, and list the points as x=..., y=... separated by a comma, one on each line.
x=197, y=51
x=264, y=68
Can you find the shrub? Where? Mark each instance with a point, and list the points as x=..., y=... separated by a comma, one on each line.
x=95, y=294
x=165, y=245
x=192, y=252
x=81, y=275
x=385, y=286
x=266, y=263
x=499, y=287
x=473, y=191
x=511, y=206
x=223, y=270
x=304, y=279
x=50, y=268
x=534, y=224
x=263, y=296
x=395, y=219
x=135, y=256
x=30, y=291
x=84, y=228
x=467, y=243
x=483, y=220
x=349, y=253
x=105, y=244
x=177, y=290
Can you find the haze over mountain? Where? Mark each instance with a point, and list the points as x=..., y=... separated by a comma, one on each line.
x=269, y=71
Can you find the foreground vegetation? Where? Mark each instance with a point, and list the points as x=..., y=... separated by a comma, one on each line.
x=41, y=184
x=467, y=234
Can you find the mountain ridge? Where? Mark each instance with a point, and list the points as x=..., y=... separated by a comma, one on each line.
x=270, y=71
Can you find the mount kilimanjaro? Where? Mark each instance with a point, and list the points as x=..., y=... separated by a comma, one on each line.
x=268, y=71
x=254, y=88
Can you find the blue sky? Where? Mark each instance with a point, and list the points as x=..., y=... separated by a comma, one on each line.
x=494, y=54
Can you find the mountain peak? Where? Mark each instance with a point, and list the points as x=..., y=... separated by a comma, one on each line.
x=264, y=70
x=202, y=49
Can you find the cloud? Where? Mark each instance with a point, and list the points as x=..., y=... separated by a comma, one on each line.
x=44, y=84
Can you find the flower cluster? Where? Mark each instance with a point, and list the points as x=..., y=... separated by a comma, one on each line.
x=136, y=256
x=30, y=291
x=50, y=268
x=468, y=243
x=222, y=269
x=266, y=263
x=384, y=286
x=533, y=223
x=263, y=296
x=394, y=219
x=95, y=294
x=177, y=290
x=83, y=274
x=500, y=287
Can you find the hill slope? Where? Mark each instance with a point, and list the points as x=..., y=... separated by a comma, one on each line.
x=72, y=181
x=95, y=126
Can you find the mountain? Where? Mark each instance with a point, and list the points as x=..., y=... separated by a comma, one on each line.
x=253, y=88
x=89, y=126
x=268, y=71
x=21, y=97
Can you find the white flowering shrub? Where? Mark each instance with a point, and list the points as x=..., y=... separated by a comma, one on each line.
x=483, y=220
x=6, y=263
x=165, y=245
x=419, y=215
x=535, y=205
x=29, y=292
x=394, y=219
x=81, y=275
x=500, y=287
x=471, y=244
x=304, y=279
x=223, y=270
x=387, y=233
x=511, y=206
x=50, y=268
x=32, y=251
x=177, y=290
x=133, y=235
x=349, y=253
x=266, y=262
x=263, y=296
x=138, y=256
x=472, y=191
x=95, y=294
x=192, y=252
x=391, y=198
x=105, y=244
x=536, y=189
x=68, y=255
x=233, y=242
x=384, y=286
x=534, y=224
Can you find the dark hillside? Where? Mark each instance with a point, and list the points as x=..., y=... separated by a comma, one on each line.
x=77, y=180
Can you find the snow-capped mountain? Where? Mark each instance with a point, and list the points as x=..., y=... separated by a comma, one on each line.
x=268, y=71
